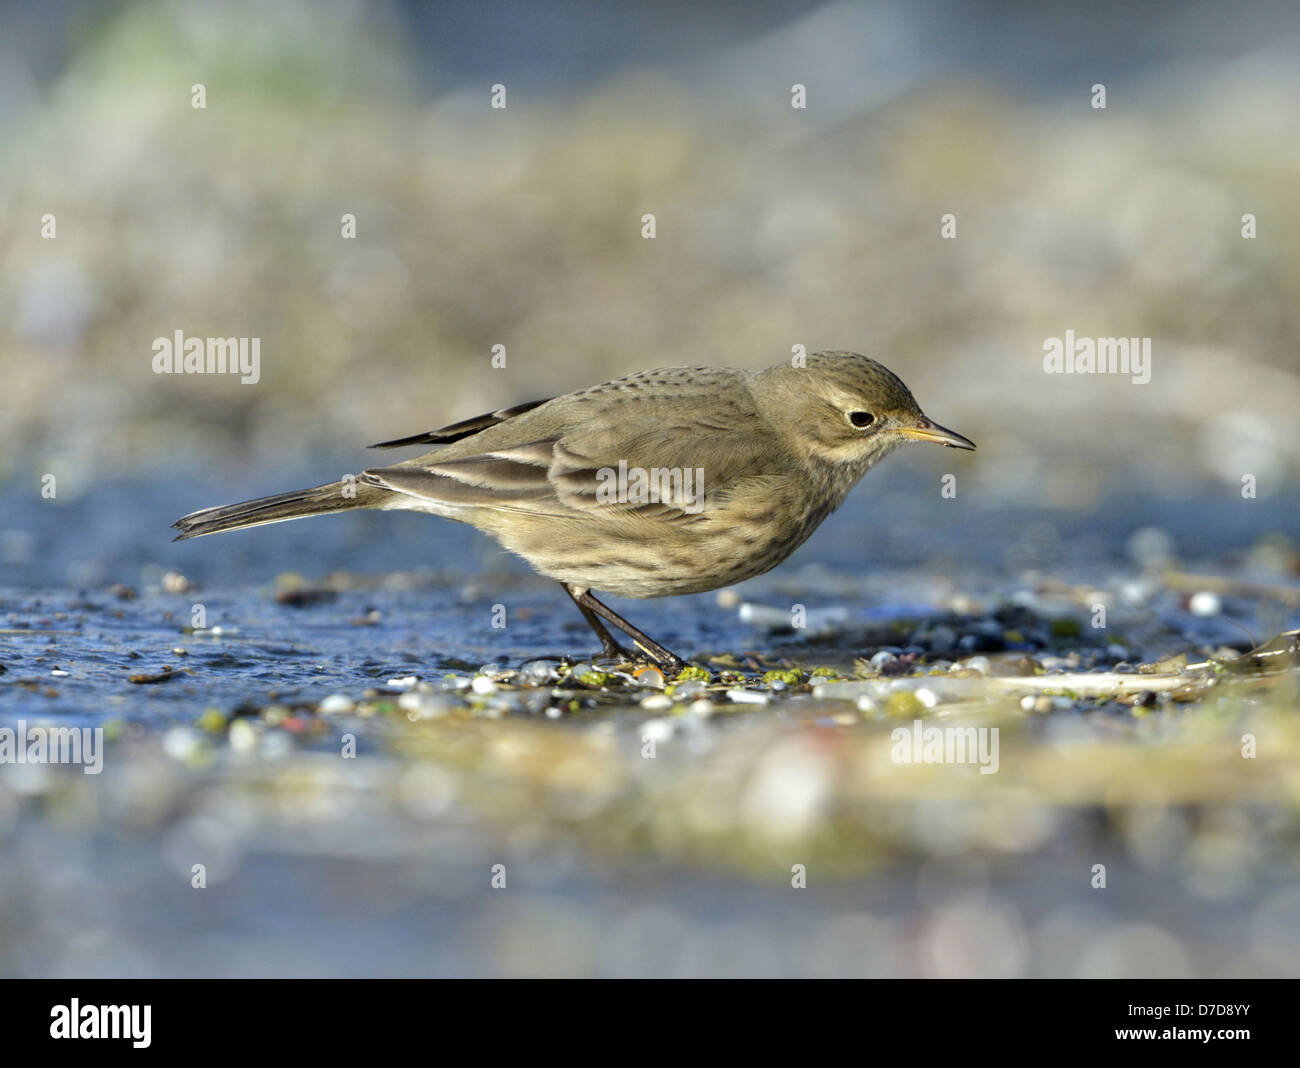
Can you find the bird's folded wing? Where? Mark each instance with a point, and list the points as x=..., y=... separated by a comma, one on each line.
x=665, y=475
x=651, y=454
x=465, y=428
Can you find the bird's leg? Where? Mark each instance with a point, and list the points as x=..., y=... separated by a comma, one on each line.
x=665, y=658
x=608, y=646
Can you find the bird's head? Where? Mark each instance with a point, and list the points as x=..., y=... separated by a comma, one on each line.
x=846, y=411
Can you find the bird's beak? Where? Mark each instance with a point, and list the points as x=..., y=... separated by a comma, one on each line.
x=925, y=430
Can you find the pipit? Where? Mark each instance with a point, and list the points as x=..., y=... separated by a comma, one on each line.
x=677, y=480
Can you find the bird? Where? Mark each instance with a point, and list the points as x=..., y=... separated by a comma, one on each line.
x=670, y=481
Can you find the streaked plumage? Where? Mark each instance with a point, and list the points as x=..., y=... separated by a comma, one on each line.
x=777, y=449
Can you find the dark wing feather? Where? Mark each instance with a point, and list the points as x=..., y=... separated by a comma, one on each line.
x=463, y=429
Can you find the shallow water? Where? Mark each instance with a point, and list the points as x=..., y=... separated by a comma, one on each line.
x=615, y=863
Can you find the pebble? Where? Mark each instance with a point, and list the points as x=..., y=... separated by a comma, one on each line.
x=702, y=707
x=982, y=664
x=58, y=673
x=747, y=697
x=336, y=703
x=175, y=582
x=656, y=730
x=242, y=736
x=538, y=673
x=657, y=702
x=483, y=685
x=882, y=658
x=689, y=688
x=182, y=743
x=1205, y=604
x=407, y=683
x=424, y=706
x=649, y=676
x=981, y=643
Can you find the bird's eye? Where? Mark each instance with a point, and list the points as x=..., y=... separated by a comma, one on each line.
x=861, y=419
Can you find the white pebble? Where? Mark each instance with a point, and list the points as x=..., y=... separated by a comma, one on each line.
x=335, y=703
x=1205, y=604
x=482, y=684
x=181, y=743
x=656, y=730
x=657, y=702
x=242, y=736
x=747, y=697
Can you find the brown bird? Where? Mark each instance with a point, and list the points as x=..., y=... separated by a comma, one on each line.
x=677, y=480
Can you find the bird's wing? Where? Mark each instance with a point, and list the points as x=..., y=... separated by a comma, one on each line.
x=463, y=429
x=688, y=443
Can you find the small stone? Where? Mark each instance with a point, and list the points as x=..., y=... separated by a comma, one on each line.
x=483, y=685
x=656, y=730
x=424, y=706
x=175, y=582
x=649, y=676
x=335, y=704
x=182, y=743
x=242, y=736
x=1205, y=604
x=657, y=702
x=747, y=697
x=702, y=707
x=538, y=673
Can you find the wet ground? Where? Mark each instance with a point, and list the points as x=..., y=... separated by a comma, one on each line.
x=376, y=780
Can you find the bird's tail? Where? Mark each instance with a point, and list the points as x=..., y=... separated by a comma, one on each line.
x=339, y=496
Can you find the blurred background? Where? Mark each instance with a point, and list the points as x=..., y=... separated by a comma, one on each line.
x=521, y=227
